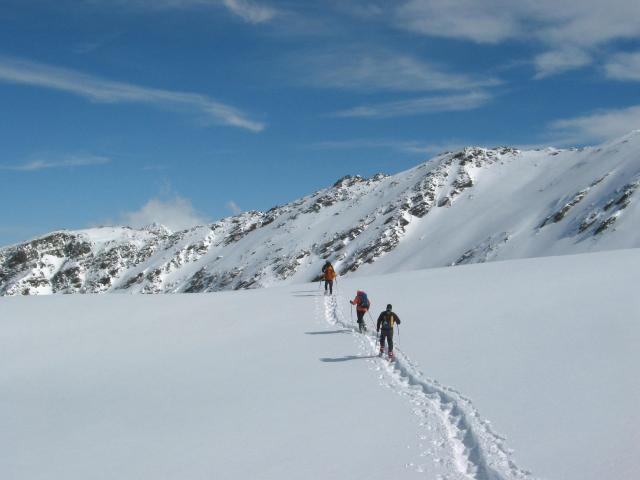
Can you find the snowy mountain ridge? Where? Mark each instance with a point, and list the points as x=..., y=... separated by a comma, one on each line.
x=470, y=206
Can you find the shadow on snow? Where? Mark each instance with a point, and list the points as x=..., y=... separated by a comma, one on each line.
x=347, y=358
x=328, y=332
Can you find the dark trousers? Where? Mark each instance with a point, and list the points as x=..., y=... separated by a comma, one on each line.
x=361, y=324
x=328, y=284
x=388, y=334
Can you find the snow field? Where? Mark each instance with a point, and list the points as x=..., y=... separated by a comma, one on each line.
x=231, y=385
x=275, y=383
x=547, y=349
x=457, y=438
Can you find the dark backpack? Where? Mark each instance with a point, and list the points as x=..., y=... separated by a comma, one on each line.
x=387, y=320
x=364, y=300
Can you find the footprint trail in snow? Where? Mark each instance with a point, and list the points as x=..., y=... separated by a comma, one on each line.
x=454, y=441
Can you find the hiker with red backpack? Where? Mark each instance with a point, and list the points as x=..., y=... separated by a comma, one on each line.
x=386, y=322
x=329, y=275
x=362, y=306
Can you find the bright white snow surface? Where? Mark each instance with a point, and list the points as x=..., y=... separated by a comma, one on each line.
x=274, y=384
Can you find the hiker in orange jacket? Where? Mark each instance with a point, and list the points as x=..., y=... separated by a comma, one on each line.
x=362, y=306
x=329, y=275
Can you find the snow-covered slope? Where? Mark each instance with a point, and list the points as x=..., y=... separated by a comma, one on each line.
x=274, y=383
x=472, y=206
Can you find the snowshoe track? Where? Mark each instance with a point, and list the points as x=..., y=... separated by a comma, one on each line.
x=459, y=439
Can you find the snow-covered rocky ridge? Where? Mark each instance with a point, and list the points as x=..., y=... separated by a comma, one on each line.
x=470, y=206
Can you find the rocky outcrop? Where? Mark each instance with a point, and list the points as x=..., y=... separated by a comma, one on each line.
x=601, y=218
x=354, y=223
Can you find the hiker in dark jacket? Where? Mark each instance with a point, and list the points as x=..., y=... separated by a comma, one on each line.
x=386, y=322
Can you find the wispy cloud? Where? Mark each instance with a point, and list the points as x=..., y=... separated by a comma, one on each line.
x=365, y=70
x=69, y=162
x=175, y=213
x=558, y=22
x=233, y=207
x=482, y=22
x=154, y=168
x=559, y=26
x=416, y=106
x=102, y=90
x=596, y=126
x=247, y=10
x=624, y=66
x=95, y=44
x=557, y=61
x=411, y=147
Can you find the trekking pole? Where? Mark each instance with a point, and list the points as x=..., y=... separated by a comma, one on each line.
x=373, y=324
x=352, y=312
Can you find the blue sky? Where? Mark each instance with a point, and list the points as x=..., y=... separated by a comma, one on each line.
x=184, y=111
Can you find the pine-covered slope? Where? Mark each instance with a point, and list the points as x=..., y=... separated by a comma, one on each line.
x=471, y=206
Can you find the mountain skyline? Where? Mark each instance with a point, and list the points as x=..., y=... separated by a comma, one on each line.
x=191, y=110
x=471, y=206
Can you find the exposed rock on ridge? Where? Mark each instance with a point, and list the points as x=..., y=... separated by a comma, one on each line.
x=470, y=206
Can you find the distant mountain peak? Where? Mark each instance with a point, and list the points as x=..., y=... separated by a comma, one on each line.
x=474, y=205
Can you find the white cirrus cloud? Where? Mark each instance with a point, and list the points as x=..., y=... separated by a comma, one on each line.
x=102, y=90
x=247, y=10
x=233, y=207
x=371, y=70
x=558, y=22
x=49, y=163
x=482, y=22
x=175, y=213
x=418, y=106
x=557, y=61
x=597, y=126
x=411, y=147
x=559, y=26
x=624, y=66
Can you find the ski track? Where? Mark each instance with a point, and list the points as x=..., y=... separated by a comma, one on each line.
x=452, y=433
